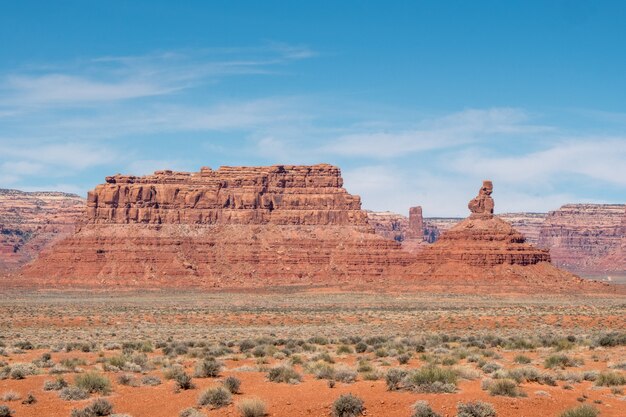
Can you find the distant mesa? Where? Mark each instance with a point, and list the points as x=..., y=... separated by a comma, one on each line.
x=33, y=221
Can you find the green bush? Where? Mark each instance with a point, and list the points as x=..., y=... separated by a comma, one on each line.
x=475, y=409
x=610, y=379
x=560, y=361
x=93, y=382
x=232, y=384
x=393, y=378
x=190, y=412
x=184, y=381
x=432, y=378
x=55, y=385
x=284, y=374
x=216, y=397
x=208, y=368
x=251, y=407
x=422, y=409
x=582, y=411
x=522, y=359
x=504, y=387
x=348, y=405
x=73, y=394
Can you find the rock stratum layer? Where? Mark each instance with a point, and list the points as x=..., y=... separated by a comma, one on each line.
x=586, y=238
x=32, y=221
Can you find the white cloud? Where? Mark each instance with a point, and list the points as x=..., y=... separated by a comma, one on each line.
x=452, y=130
x=594, y=157
x=63, y=89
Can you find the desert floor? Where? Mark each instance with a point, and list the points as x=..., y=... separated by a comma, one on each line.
x=555, y=352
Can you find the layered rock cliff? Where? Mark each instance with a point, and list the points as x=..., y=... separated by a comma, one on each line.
x=582, y=236
x=32, y=221
x=235, y=226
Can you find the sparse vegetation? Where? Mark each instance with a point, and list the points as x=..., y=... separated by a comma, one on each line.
x=423, y=409
x=475, y=409
x=582, y=411
x=284, y=374
x=251, y=407
x=215, y=397
x=348, y=405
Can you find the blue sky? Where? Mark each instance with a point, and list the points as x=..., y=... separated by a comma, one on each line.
x=417, y=102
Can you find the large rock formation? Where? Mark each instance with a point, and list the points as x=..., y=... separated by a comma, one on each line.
x=32, y=221
x=486, y=250
x=235, y=226
x=483, y=239
x=582, y=236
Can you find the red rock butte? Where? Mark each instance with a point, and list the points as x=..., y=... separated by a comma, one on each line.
x=231, y=227
x=280, y=225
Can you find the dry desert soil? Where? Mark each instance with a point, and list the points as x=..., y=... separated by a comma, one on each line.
x=298, y=351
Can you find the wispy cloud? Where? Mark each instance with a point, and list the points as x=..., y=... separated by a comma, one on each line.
x=117, y=78
x=444, y=132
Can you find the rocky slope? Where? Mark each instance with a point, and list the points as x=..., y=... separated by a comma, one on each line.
x=32, y=221
x=582, y=236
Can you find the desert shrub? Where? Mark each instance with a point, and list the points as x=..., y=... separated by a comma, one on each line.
x=73, y=393
x=522, y=359
x=284, y=374
x=560, y=361
x=432, y=378
x=620, y=365
x=490, y=367
x=371, y=376
x=21, y=370
x=394, y=377
x=364, y=366
x=232, y=384
x=173, y=371
x=504, y=387
x=324, y=356
x=318, y=340
x=93, y=382
x=216, y=397
x=98, y=408
x=5, y=411
x=422, y=409
x=344, y=350
x=612, y=339
x=191, y=412
x=251, y=407
x=404, y=358
x=321, y=370
x=360, y=347
x=150, y=380
x=126, y=379
x=582, y=411
x=345, y=375
x=610, y=379
x=475, y=409
x=184, y=381
x=348, y=405
x=30, y=399
x=11, y=396
x=208, y=368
